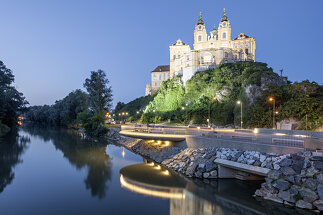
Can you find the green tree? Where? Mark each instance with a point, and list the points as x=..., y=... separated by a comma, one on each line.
x=12, y=102
x=100, y=94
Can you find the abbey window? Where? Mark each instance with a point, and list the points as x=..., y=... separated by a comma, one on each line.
x=224, y=35
x=199, y=38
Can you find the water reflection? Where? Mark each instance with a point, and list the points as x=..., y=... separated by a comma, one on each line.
x=81, y=154
x=12, y=147
x=196, y=196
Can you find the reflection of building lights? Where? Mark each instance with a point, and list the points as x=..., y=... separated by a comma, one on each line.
x=167, y=143
x=123, y=153
x=166, y=172
x=158, y=167
x=151, y=164
x=149, y=192
x=159, y=142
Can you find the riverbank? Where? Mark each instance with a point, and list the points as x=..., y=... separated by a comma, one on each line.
x=294, y=180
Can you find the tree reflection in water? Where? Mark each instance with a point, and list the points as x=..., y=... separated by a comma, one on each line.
x=82, y=154
x=11, y=148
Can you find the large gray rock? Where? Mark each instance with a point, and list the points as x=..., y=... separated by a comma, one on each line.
x=274, y=174
x=268, y=188
x=293, y=190
x=319, y=178
x=198, y=174
x=286, y=195
x=262, y=158
x=260, y=192
x=213, y=174
x=201, y=167
x=290, y=179
x=311, y=183
x=209, y=165
x=320, y=191
x=298, y=165
x=303, y=204
x=286, y=162
x=281, y=184
x=206, y=175
x=318, y=165
x=287, y=171
x=250, y=162
x=296, y=157
x=298, y=179
x=273, y=198
x=318, y=204
x=308, y=195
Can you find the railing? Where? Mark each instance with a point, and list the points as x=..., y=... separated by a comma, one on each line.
x=167, y=130
x=287, y=139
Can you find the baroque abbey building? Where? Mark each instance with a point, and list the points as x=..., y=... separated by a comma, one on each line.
x=208, y=51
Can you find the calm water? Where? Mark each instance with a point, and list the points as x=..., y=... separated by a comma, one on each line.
x=54, y=171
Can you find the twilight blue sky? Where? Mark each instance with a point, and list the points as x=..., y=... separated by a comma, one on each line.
x=52, y=45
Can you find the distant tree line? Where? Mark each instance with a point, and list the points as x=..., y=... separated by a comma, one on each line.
x=12, y=102
x=85, y=110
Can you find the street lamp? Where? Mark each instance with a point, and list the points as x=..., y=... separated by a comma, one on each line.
x=208, y=120
x=240, y=103
x=272, y=99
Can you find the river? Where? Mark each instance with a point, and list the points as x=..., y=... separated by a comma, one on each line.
x=54, y=171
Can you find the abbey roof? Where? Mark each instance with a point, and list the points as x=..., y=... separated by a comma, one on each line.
x=162, y=68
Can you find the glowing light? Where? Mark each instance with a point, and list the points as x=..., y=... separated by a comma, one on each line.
x=183, y=108
x=151, y=164
x=276, y=112
x=159, y=142
x=199, y=128
x=238, y=102
x=123, y=153
x=271, y=99
x=256, y=131
x=150, y=192
x=158, y=167
x=166, y=172
x=300, y=135
x=167, y=143
x=280, y=134
x=214, y=98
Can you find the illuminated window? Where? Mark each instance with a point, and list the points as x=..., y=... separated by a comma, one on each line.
x=224, y=35
x=199, y=38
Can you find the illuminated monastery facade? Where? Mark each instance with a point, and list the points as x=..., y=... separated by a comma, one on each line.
x=209, y=50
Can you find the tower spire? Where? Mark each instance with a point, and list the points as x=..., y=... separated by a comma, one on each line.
x=224, y=16
x=200, y=21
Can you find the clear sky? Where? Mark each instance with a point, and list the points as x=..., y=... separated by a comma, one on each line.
x=52, y=46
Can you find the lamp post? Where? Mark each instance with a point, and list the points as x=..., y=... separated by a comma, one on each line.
x=241, y=121
x=272, y=99
x=208, y=120
x=155, y=116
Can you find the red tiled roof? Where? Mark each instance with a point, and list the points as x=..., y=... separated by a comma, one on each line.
x=161, y=68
